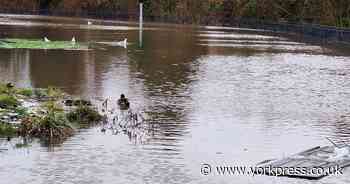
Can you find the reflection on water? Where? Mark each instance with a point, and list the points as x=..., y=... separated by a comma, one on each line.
x=216, y=95
x=17, y=69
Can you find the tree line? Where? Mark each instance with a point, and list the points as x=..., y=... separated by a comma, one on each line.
x=325, y=12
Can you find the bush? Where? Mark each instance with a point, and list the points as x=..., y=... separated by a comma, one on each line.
x=84, y=114
x=8, y=101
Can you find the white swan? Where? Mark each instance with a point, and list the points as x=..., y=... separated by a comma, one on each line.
x=123, y=43
x=73, y=40
x=89, y=23
x=46, y=40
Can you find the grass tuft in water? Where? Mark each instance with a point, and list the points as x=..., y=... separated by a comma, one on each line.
x=53, y=125
x=84, y=115
x=8, y=101
x=21, y=111
x=7, y=130
x=54, y=92
x=49, y=127
x=49, y=93
x=25, y=92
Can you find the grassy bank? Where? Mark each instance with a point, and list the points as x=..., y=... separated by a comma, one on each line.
x=39, y=44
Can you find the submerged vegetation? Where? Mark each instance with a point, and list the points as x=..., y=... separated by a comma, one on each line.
x=8, y=101
x=84, y=115
x=21, y=112
x=48, y=127
x=7, y=130
x=25, y=92
x=38, y=44
x=48, y=119
x=48, y=94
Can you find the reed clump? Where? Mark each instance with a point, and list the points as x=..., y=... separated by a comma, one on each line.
x=8, y=101
x=7, y=130
x=49, y=127
x=49, y=119
x=84, y=114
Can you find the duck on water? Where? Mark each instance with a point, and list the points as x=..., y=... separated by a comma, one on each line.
x=123, y=102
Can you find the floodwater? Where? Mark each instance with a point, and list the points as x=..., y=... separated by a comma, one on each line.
x=218, y=96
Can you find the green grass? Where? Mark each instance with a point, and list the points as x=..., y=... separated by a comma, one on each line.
x=7, y=130
x=22, y=111
x=50, y=92
x=37, y=44
x=54, y=92
x=25, y=92
x=22, y=145
x=52, y=107
x=83, y=115
x=3, y=88
x=6, y=90
x=40, y=93
x=53, y=126
x=8, y=101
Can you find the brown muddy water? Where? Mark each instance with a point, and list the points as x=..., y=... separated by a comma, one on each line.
x=219, y=96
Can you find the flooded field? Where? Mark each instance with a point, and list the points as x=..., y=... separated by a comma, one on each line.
x=218, y=96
